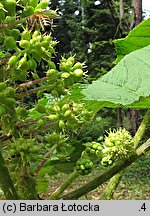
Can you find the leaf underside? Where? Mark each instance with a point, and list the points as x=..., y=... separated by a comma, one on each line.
x=126, y=83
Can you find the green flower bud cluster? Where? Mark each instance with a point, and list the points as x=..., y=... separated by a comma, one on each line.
x=117, y=145
x=84, y=166
x=55, y=84
x=56, y=138
x=42, y=4
x=68, y=116
x=7, y=100
x=71, y=72
x=94, y=149
x=107, y=160
x=32, y=6
x=23, y=152
x=68, y=74
x=33, y=48
x=10, y=42
x=12, y=36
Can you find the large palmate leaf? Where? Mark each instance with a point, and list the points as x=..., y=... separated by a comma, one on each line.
x=137, y=38
x=126, y=83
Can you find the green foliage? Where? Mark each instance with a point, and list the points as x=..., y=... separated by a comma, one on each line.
x=40, y=101
x=126, y=82
x=136, y=39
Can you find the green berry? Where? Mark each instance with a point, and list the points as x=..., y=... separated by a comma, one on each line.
x=82, y=167
x=3, y=110
x=55, y=93
x=110, y=162
x=13, y=61
x=45, y=44
x=78, y=73
x=78, y=65
x=92, y=151
x=35, y=75
x=36, y=55
x=23, y=63
x=3, y=86
x=29, y=10
x=65, y=107
x=51, y=72
x=56, y=108
x=9, y=42
x=51, y=65
x=71, y=60
x=61, y=89
x=26, y=35
x=9, y=19
x=65, y=75
x=10, y=6
x=43, y=4
x=53, y=117
x=67, y=113
x=24, y=44
x=32, y=64
x=88, y=165
x=33, y=3
x=61, y=124
x=15, y=33
x=94, y=146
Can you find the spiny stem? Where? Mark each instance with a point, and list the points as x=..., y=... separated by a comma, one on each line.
x=47, y=156
x=32, y=82
x=31, y=91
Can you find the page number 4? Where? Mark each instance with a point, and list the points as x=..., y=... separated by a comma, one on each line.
x=143, y=207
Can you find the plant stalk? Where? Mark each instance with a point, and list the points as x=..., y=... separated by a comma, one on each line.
x=142, y=128
x=6, y=182
x=111, y=187
x=65, y=184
